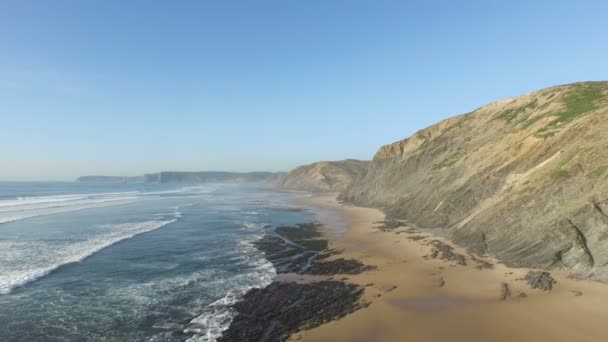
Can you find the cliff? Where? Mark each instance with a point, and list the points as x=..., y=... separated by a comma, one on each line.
x=524, y=179
x=190, y=177
x=324, y=176
x=209, y=177
x=110, y=179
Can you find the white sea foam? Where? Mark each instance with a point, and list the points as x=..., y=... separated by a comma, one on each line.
x=62, y=204
x=217, y=316
x=22, y=208
x=19, y=201
x=254, y=225
x=25, y=262
x=12, y=216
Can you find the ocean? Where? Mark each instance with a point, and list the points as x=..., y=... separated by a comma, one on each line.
x=131, y=262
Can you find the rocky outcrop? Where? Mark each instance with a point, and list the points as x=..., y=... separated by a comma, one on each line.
x=277, y=311
x=505, y=291
x=281, y=309
x=441, y=251
x=324, y=176
x=540, y=280
x=524, y=179
x=300, y=249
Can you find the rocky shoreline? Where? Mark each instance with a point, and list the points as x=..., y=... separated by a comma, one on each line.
x=284, y=307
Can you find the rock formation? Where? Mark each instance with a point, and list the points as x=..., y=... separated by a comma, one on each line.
x=524, y=179
x=324, y=176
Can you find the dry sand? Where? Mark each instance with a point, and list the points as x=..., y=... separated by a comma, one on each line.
x=415, y=299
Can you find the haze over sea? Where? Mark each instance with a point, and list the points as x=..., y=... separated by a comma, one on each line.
x=130, y=262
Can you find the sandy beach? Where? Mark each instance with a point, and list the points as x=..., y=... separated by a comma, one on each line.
x=416, y=298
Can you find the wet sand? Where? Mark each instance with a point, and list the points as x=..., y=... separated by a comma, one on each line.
x=416, y=298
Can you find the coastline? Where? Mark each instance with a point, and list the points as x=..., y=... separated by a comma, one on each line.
x=415, y=297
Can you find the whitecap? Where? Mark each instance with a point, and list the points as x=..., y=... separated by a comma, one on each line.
x=26, y=264
x=209, y=325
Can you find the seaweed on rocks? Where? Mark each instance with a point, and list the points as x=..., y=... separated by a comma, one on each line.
x=299, y=249
x=338, y=266
x=275, y=312
x=301, y=231
x=284, y=256
x=281, y=309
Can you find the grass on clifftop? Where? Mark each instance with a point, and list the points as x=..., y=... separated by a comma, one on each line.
x=579, y=101
x=510, y=115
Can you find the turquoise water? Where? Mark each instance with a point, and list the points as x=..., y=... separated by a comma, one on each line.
x=130, y=262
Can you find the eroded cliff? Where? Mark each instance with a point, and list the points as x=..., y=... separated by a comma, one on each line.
x=523, y=179
x=324, y=176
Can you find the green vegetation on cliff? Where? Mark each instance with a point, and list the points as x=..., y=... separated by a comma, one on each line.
x=524, y=179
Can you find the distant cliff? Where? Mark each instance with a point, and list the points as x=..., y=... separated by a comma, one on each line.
x=110, y=179
x=190, y=177
x=524, y=179
x=210, y=177
x=325, y=176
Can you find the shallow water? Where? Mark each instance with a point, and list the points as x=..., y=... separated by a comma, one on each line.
x=130, y=262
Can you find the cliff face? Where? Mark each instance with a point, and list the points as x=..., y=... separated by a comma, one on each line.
x=110, y=179
x=324, y=176
x=524, y=179
x=209, y=177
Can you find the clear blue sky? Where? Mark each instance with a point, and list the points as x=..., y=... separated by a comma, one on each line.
x=127, y=87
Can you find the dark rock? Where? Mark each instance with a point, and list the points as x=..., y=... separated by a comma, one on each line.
x=338, y=266
x=441, y=282
x=302, y=231
x=285, y=257
x=481, y=264
x=416, y=237
x=540, y=280
x=442, y=251
x=505, y=291
x=299, y=249
x=281, y=309
x=389, y=289
x=390, y=225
